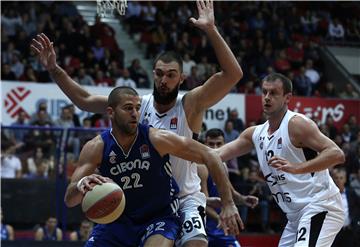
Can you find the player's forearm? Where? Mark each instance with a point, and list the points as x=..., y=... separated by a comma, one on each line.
x=218, y=173
x=212, y=213
x=226, y=58
x=73, y=196
x=326, y=159
x=74, y=91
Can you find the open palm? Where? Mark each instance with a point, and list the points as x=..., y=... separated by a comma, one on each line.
x=44, y=49
x=206, y=14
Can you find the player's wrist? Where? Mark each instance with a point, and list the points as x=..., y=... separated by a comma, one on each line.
x=79, y=183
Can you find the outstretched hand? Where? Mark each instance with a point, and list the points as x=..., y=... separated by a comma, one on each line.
x=44, y=49
x=206, y=18
x=230, y=220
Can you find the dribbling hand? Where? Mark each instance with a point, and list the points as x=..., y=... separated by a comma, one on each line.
x=44, y=49
x=88, y=182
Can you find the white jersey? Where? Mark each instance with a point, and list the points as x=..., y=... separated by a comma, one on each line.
x=185, y=172
x=292, y=192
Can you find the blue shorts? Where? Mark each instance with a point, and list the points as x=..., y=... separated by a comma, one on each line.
x=125, y=233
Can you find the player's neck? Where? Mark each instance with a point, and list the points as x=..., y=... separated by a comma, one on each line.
x=160, y=108
x=275, y=120
x=123, y=139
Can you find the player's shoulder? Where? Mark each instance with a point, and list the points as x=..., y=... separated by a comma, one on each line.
x=95, y=143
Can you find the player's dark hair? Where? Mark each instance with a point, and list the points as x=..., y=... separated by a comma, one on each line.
x=168, y=57
x=117, y=93
x=214, y=132
x=287, y=84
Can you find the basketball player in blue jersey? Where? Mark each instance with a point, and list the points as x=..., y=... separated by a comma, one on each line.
x=7, y=231
x=214, y=138
x=294, y=157
x=166, y=109
x=136, y=157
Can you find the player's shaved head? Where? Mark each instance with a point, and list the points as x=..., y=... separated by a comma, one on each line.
x=116, y=95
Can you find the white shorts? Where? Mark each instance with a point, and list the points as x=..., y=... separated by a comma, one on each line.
x=192, y=213
x=316, y=225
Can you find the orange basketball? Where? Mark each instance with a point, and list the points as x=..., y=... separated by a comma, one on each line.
x=104, y=203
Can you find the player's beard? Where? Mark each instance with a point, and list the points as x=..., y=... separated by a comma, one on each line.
x=124, y=127
x=168, y=98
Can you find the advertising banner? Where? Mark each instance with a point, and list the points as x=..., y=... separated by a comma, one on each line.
x=20, y=96
x=319, y=108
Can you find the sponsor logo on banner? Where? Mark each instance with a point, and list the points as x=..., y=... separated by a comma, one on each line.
x=13, y=101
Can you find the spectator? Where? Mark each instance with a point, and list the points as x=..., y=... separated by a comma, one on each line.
x=203, y=69
x=29, y=75
x=83, y=233
x=102, y=80
x=50, y=231
x=336, y=30
x=84, y=79
x=331, y=126
x=354, y=126
x=351, y=204
x=255, y=186
x=34, y=161
x=10, y=163
x=349, y=92
x=238, y=123
x=66, y=121
x=18, y=134
x=302, y=83
x=7, y=231
x=282, y=63
x=330, y=91
x=98, y=50
x=41, y=113
x=6, y=73
x=138, y=74
x=295, y=54
x=125, y=80
x=75, y=116
x=312, y=74
x=188, y=64
x=41, y=171
x=17, y=66
x=192, y=81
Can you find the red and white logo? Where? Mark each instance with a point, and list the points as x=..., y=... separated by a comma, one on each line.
x=14, y=100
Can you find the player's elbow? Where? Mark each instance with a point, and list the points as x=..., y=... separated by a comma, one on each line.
x=340, y=156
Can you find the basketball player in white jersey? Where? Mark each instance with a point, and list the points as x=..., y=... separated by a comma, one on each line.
x=182, y=114
x=299, y=182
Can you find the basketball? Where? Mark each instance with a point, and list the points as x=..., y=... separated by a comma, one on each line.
x=104, y=203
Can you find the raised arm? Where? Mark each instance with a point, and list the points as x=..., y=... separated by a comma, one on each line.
x=44, y=49
x=89, y=160
x=219, y=84
x=240, y=146
x=167, y=142
x=304, y=133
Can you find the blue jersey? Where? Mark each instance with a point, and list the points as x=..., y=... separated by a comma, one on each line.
x=4, y=232
x=217, y=236
x=144, y=176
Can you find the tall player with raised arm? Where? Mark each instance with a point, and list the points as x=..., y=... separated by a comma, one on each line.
x=165, y=109
x=294, y=157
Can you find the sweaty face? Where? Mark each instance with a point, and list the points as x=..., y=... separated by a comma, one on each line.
x=214, y=142
x=167, y=80
x=273, y=98
x=126, y=114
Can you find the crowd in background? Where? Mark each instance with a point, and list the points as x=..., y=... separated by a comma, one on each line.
x=265, y=37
